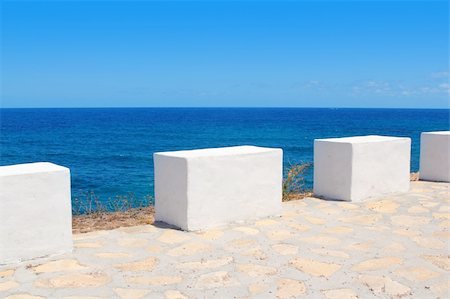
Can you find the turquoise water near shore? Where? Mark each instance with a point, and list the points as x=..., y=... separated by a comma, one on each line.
x=109, y=150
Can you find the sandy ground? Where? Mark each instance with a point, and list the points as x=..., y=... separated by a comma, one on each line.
x=391, y=247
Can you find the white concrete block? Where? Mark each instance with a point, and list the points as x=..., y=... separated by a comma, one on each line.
x=435, y=156
x=200, y=189
x=35, y=211
x=356, y=168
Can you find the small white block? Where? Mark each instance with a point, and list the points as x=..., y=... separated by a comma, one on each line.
x=356, y=168
x=200, y=189
x=35, y=211
x=435, y=156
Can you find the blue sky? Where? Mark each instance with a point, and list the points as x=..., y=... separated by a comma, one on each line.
x=211, y=53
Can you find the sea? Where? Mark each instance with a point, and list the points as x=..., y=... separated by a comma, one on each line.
x=109, y=150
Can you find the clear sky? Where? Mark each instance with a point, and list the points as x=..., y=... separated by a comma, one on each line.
x=211, y=53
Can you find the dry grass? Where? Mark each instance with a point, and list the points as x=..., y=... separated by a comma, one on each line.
x=294, y=182
x=111, y=220
x=414, y=176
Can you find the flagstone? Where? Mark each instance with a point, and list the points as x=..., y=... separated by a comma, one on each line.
x=417, y=210
x=215, y=280
x=340, y=293
x=285, y=249
x=8, y=285
x=442, y=262
x=247, y=230
x=88, y=245
x=254, y=270
x=339, y=230
x=147, y=264
x=189, y=249
x=314, y=268
x=417, y=273
x=377, y=263
x=74, y=281
x=384, y=285
x=162, y=280
x=6, y=273
x=132, y=242
x=329, y=252
x=112, y=255
x=173, y=236
x=290, y=288
x=58, y=266
x=174, y=294
x=206, y=264
x=131, y=293
x=321, y=240
x=257, y=288
x=431, y=243
x=23, y=296
x=383, y=206
x=408, y=221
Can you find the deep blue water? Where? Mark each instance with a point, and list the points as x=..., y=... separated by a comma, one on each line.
x=109, y=151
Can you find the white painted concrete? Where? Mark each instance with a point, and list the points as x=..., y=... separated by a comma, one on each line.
x=35, y=211
x=435, y=156
x=200, y=189
x=356, y=168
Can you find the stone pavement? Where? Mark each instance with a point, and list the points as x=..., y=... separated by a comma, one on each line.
x=397, y=246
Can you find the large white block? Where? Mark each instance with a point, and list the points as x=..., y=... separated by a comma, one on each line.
x=356, y=168
x=35, y=211
x=200, y=189
x=435, y=156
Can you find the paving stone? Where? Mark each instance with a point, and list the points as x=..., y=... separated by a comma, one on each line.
x=314, y=268
x=409, y=221
x=132, y=242
x=211, y=234
x=173, y=236
x=206, y=264
x=417, y=273
x=112, y=255
x=330, y=252
x=88, y=245
x=321, y=240
x=6, y=273
x=290, y=288
x=382, y=285
x=23, y=296
x=131, y=293
x=147, y=264
x=8, y=285
x=285, y=249
x=247, y=230
x=58, y=266
x=154, y=280
x=442, y=262
x=173, y=294
x=340, y=294
x=431, y=243
x=339, y=230
x=254, y=270
x=377, y=263
x=280, y=234
x=189, y=249
x=257, y=288
x=215, y=280
x=383, y=206
x=74, y=281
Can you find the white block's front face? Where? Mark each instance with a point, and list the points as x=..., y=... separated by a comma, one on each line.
x=332, y=169
x=35, y=211
x=222, y=186
x=435, y=156
x=357, y=168
x=380, y=168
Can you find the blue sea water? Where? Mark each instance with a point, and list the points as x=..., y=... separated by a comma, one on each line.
x=109, y=150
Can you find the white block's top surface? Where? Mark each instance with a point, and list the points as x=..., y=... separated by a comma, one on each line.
x=437, y=133
x=362, y=139
x=29, y=168
x=221, y=151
